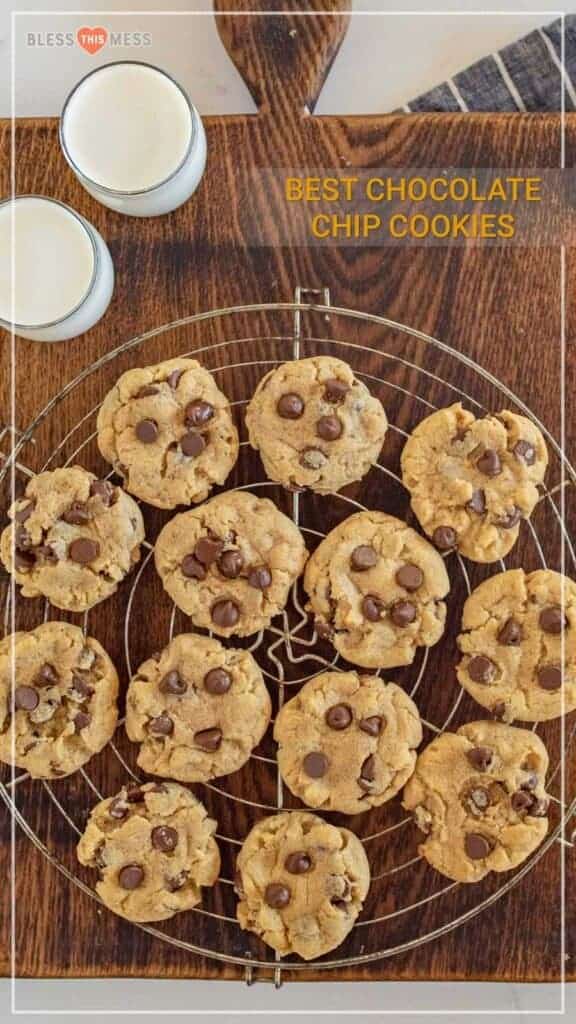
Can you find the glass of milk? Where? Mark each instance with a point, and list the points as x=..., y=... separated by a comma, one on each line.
x=133, y=139
x=56, y=273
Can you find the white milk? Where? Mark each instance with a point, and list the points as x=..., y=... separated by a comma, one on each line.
x=133, y=139
x=56, y=274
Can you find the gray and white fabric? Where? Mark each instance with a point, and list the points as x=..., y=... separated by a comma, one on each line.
x=528, y=75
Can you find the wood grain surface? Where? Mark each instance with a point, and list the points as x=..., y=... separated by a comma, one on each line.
x=498, y=306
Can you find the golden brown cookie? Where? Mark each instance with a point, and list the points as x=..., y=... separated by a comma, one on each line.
x=62, y=707
x=154, y=847
x=315, y=424
x=73, y=538
x=230, y=563
x=472, y=481
x=197, y=709
x=301, y=883
x=347, y=742
x=376, y=589
x=519, y=645
x=479, y=795
x=168, y=430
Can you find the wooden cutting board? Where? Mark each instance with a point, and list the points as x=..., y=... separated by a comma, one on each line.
x=498, y=306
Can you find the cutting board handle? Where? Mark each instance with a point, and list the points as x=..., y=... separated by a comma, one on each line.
x=283, y=58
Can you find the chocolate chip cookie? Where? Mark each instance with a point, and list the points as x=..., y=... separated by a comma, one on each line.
x=347, y=742
x=519, y=645
x=376, y=589
x=301, y=883
x=62, y=707
x=472, y=481
x=315, y=424
x=479, y=795
x=230, y=564
x=198, y=709
x=154, y=847
x=73, y=538
x=168, y=430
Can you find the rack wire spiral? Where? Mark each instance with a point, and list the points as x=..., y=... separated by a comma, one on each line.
x=411, y=382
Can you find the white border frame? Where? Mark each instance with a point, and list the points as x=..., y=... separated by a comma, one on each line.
x=562, y=392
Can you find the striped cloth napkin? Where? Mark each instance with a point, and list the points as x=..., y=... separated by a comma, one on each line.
x=526, y=75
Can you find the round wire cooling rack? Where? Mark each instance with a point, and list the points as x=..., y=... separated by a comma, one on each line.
x=402, y=366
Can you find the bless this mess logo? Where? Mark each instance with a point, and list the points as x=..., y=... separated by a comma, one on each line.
x=90, y=38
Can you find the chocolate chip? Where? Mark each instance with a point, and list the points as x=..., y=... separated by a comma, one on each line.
x=372, y=608
x=172, y=682
x=208, y=550
x=315, y=764
x=480, y=798
x=131, y=876
x=134, y=794
x=198, y=413
x=147, y=431
x=367, y=773
x=531, y=782
x=77, y=515
x=217, y=681
x=44, y=553
x=47, y=676
x=147, y=391
x=499, y=710
x=313, y=458
x=489, y=463
x=477, y=502
x=363, y=557
x=83, y=550
x=164, y=838
x=104, y=490
x=521, y=801
x=26, y=698
x=329, y=428
x=225, y=614
x=161, y=726
x=191, y=568
x=290, y=406
x=80, y=686
x=22, y=514
x=525, y=452
x=117, y=809
x=339, y=904
x=477, y=846
x=208, y=739
x=550, y=677
x=260, y=577
x=539, y=808
x=175, y=883
x=173, y=378
x=338, y=716
x=444, y=537
x=81, y=721
x=510, y=519
x=277, y=896
x=480, y=758
x=481, y=669
x=552, y=619
x=23, y=538
x=511, y=633
x=403, y=613
x=335, y=390
x=192, y=445
x=298, y=863
x=24, y=560
x=410, y=577
x=323, y=629
x=371, y=725
x=231, y=564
